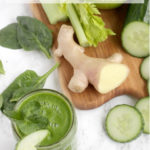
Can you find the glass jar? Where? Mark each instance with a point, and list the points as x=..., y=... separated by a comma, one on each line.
x=67, y=142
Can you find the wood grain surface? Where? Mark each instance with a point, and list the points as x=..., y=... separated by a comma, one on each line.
x=90, y=98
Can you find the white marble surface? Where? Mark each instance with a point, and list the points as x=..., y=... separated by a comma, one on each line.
x=91, y=134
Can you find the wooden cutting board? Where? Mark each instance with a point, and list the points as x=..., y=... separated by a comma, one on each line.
x=90, y=98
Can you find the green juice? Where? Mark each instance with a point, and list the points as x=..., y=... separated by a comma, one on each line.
x=48, y=109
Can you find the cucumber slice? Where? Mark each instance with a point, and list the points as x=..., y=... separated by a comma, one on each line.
x=144, y=68
x=143, y=106
x=32, y=140
x=124, y=123
x=148, y=87
x=135, y=35
x=135, y=38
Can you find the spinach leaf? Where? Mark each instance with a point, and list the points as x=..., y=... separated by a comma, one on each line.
x=32, y=107
x=26, y=126
x=40, y=120
x=28, y=121
x=1, y=68
x=13, y=115
x=8, y=37
x=29, y=34
x=33, y=34
x=29, y=118
x=26, y=82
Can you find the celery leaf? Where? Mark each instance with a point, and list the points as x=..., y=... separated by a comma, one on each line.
x=93, y=25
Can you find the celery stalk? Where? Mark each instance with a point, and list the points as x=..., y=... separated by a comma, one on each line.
x=54, y=12
x=89, y=27
x=77, y=25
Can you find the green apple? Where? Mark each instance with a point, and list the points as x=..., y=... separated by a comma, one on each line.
x=110, y=5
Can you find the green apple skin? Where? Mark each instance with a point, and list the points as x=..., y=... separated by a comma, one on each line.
x=108, y=6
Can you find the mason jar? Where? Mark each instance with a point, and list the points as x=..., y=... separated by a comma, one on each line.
x=68, y=140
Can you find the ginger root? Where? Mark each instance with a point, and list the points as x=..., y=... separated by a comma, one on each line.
x=104, y=74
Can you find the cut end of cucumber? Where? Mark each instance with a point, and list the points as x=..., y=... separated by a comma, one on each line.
x=143, y=105
x=135, y=39
x=32, y=140
x=54, y=12
x=124, y=123
x=144, y=68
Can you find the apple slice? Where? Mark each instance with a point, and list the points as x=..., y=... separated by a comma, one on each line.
x=32, y=140
x=109, y=5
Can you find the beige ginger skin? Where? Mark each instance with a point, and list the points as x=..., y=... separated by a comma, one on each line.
x=104, y=74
